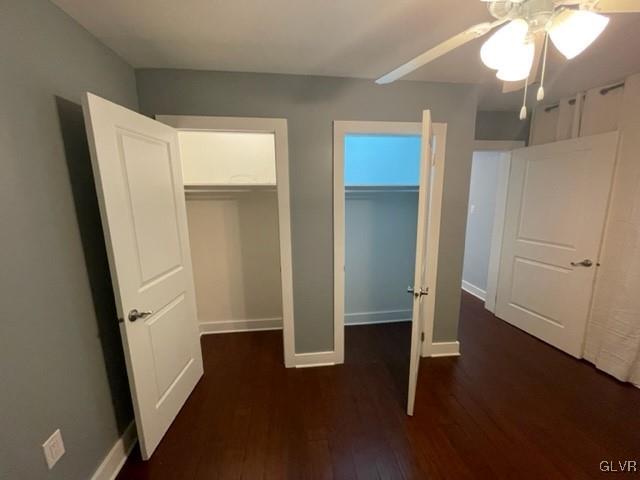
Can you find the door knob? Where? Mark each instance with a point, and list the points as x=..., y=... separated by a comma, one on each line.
x=584, y=263
x=421, y=291
x=135, y=315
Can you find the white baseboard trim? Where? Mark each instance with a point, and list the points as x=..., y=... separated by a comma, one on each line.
x=231, y=326
x=315, y=359
x=445, y=349
x=114, y=461
x=381, y=316
x=473, y=290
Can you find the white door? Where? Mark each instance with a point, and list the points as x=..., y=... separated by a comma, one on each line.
x=554, y=221
x=419, y=283
x=139, y=183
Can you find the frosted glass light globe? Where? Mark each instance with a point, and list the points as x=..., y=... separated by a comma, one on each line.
x=504, y=44
x=572, y=31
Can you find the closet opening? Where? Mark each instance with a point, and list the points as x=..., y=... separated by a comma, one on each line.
x=379, y=185
x=381, y=175
x=236, y=182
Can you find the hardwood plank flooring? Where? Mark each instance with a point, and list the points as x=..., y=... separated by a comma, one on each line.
x=509, y=407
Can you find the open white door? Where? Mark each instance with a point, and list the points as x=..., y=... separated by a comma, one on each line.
x=419, y=288
x=138, y=178
x=554, y=221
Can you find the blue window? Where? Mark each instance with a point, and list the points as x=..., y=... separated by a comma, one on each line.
x=381, y=159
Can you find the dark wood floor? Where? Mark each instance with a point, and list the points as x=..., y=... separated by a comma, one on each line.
x=509, y=407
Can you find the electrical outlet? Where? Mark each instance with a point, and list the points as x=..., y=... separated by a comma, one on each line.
x=53, y=448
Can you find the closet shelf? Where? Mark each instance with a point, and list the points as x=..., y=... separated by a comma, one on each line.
x=230, y=188
x=380, y=188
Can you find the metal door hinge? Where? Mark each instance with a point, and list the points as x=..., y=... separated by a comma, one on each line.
x=422, y=337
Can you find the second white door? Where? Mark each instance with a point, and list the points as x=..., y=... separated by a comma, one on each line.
x=420, y=288
x=554, y=222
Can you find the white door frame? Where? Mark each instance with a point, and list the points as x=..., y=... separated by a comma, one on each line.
x=278, y=127
x=340, y=129
x=504, y=169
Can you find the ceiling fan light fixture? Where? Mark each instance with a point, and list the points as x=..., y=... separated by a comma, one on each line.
x=504, y=44
x=519, y=66
x=572, y=31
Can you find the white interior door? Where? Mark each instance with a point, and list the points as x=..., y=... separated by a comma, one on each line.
x=554, y=221
x=139, y=183
x=419, y=283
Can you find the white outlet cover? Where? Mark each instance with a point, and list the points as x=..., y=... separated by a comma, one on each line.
x=53, y=448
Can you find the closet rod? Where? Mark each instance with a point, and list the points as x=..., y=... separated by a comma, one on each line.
x=381, y=188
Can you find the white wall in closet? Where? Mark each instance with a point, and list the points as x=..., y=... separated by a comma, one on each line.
x=221, y=158
x=236, y=259
x=381, y=209
x=232, y=211
x=380, y=245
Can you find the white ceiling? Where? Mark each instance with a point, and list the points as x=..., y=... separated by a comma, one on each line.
x=348, y=38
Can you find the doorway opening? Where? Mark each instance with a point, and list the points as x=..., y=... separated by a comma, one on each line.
x=381, y=175
x=548, y=206
x=235, y=172
x=385, y=223
x=485, y=217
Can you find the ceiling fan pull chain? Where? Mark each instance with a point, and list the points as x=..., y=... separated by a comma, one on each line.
x=540, y=95
x=523, y=110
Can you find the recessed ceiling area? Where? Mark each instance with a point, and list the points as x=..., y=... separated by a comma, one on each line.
x=345, y=38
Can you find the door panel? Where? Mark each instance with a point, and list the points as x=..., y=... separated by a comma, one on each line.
x=556, y=208
x=147, y=169
x=420, y=288
x=139, y=183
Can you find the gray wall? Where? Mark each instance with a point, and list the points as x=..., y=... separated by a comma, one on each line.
x=482, y=204
x=61, y=362
x=498, y=125
x=311, y=104
x=380, y=254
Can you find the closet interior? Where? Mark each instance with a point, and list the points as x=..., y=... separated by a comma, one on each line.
x=232, y=212
x=381, y=174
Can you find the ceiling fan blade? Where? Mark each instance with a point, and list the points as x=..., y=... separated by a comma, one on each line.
x=617, y=6
x=439, y=50
x=508, y=87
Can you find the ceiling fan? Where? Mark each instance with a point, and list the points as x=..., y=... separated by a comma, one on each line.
x=516, y=49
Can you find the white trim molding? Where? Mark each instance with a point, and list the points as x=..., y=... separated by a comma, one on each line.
x=497, y=231
x=433, y=233
x=315, y=359
x=382, y=316
x=474, y=290
x=277, y=126
x=445, y=349
x=233, y=326
x=114, y=461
